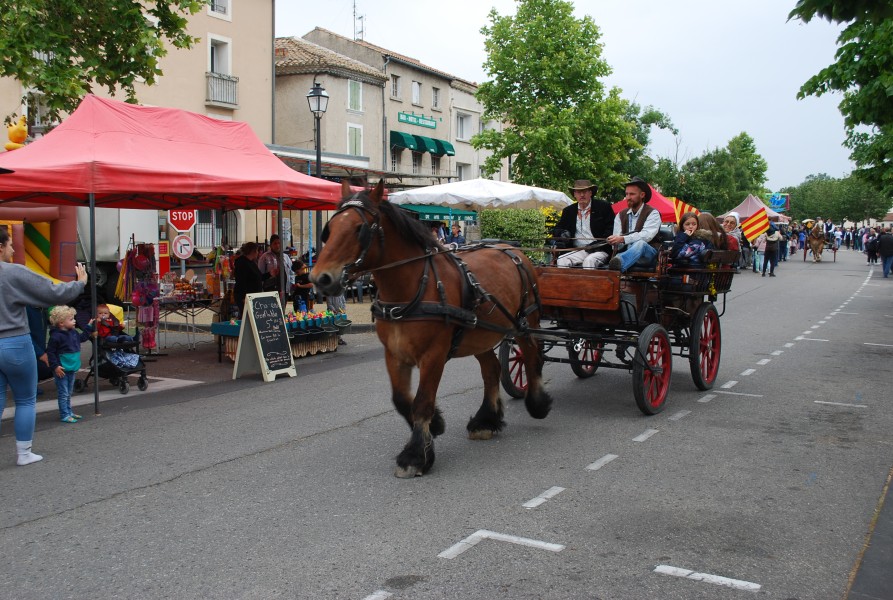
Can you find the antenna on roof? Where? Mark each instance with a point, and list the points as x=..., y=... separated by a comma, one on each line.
x=359, y=22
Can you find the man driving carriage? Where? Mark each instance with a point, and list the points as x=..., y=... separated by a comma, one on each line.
x=586, y=222
x=635, y=226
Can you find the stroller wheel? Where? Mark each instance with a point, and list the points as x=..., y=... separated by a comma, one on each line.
x=124, y=387
x=114, y=380
x=78, y=386
x=142, y=383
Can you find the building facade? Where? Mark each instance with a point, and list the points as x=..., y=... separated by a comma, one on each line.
x=429, y=116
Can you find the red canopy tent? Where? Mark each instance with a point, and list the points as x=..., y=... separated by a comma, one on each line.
x=116, y=155
x=130, y=156
x=658, y=201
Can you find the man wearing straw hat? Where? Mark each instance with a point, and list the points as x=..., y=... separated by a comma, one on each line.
x=587, y=223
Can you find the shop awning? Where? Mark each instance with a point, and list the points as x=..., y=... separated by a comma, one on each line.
x=426, y=144
x=444, y=147
x=404, y=140
x=440, y=213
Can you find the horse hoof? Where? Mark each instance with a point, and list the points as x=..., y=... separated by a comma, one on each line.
x=481, y=434
x=407, y=472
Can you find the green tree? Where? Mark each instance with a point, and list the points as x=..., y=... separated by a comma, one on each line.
x=62, y=48
x=721, y=178
x=545, y=67
x=863, y=73
x=851, y=197
x=638, y=162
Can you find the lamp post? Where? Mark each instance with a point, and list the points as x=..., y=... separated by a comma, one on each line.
x=318, y=99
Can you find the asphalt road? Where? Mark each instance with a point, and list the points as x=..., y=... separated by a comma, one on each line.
x=767, y=486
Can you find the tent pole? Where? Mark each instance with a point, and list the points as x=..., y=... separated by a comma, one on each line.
x=93, y=339
x=283, y=276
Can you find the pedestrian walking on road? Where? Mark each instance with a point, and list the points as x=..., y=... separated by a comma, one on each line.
x=21, y=287
x=770, y=251
x=885, y=249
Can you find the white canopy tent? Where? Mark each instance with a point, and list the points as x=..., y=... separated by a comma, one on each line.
x=482, y=194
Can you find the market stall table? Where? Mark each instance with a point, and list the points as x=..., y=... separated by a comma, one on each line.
x=188, y=310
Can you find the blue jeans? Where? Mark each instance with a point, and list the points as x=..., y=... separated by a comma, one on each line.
x=64, y=387
x=18, y=370
x=636, y=252
x=757, y=261
x=888, y=264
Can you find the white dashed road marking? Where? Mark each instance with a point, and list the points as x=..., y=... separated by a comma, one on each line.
x=739, y=394
x=747, y=372
x=779, y=352
x=841, y=404
x=379, y=595
x=680, y=414
x=729, y=384
x=551, y=492
x=789, y=345
x=483, y=534
x=706, y=577
x=601, y=462
x=645, y=435
x=883, y=345
x=764, y=361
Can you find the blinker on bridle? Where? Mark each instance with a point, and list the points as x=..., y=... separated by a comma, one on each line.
x=364, y=237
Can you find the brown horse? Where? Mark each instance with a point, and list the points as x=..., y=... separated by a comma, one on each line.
x=816, y=241
x=433, y=305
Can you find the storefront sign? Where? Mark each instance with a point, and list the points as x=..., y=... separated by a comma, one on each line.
x=414, y=119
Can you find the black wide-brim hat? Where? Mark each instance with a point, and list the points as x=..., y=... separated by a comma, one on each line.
x=642, y=185
x=4, y=171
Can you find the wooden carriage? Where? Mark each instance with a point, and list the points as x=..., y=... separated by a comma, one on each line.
x=634, y=321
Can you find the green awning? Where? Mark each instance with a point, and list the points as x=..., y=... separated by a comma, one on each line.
x=440, y=213
x=426, y=144
x=444, y=147
x=404, y=140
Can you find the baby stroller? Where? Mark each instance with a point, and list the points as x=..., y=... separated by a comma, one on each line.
x=117, y=360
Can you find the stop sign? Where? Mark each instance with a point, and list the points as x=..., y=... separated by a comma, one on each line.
x=181, y=220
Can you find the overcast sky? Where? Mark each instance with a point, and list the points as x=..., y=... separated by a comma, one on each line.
x=717, y=68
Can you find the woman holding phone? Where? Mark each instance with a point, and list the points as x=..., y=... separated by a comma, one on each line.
x=21, y=287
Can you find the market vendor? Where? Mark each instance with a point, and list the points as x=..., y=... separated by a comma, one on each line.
x=249, y=279
x=272, y=263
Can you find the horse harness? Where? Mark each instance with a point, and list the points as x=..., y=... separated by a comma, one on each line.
x=473, y=293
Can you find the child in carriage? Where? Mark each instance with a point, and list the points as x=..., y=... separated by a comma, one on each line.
x=691, y=243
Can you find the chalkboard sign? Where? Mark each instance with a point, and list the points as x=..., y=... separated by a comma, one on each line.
x=263, y=339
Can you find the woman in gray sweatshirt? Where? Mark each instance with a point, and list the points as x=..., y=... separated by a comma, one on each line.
x=21, y=287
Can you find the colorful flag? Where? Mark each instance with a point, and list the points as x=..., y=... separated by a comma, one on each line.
x=682, y=208
x=754, y=225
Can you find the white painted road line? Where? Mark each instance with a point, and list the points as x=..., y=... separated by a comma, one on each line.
x=680, y=414
x=846, y=313
x=811, y=339
x=883, y=345
x=789, y=345
x=706, y=577
x=764, y=361
x=841, y=404
x=778, y=352
x=815, y=327
x=483, y=534
x=601, y=462
x=747, y=372
x=645, y=435
x=379, y=595
x=728, y=385
x=706, y=398
x=823, y=322
x=552, y=491
x=739, y=394
x=807, y=332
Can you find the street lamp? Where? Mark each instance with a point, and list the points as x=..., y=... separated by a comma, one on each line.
x=318, y=99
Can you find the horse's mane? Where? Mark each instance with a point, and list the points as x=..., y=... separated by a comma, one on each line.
x=411, y=228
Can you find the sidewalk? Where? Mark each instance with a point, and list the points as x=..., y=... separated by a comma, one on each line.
x=178, y=363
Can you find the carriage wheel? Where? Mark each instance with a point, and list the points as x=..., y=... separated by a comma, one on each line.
x=651, y=387
x=706, y=346
x=590, y=353
x=512, y=373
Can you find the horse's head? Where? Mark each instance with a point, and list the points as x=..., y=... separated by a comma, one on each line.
x=348, y=238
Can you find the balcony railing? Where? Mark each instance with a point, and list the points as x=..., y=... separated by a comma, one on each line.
x=218, y=7
x=222, y=90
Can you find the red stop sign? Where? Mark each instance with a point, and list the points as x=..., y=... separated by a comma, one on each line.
x=181, y=220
